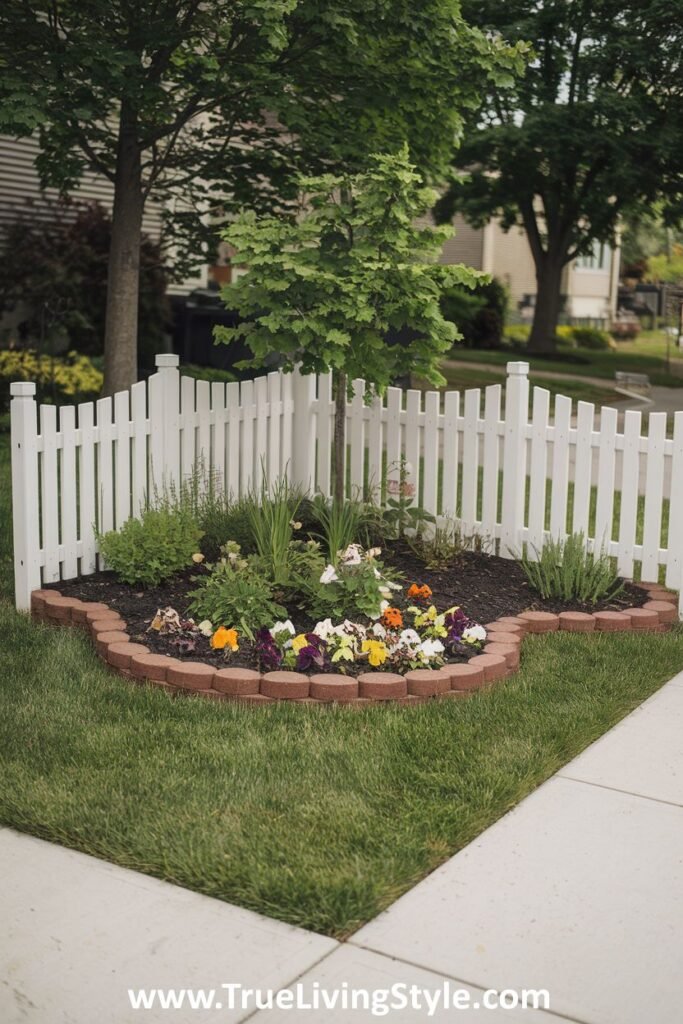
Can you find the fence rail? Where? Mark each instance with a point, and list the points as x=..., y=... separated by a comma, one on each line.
x=509, y=472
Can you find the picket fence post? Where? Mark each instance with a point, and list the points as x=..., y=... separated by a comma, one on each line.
x=301, y=473
x=25, y=494
x=514, y=458
x=164, y=410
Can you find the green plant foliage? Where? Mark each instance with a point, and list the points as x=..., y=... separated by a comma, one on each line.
x=591, y=338
x=272, y=518
x=440, y=546
x=152, y=548
x=236, y=594
x=358, y=585
x=479, y=315
x=564, y=570
x=591, y=132
x=61, y=380
x=326, y=290
x=53, y=271
x=338, y=523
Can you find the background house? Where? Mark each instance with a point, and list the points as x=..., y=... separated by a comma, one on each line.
x=590, y=284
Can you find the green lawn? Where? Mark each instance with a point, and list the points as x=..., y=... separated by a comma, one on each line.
x=319, y=817
x=644, y=355
x=462, y=377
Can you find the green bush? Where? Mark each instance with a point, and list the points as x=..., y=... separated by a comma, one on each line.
x=222, y=519
x=591, y=338
x=59, y=380
x=479, y=313
x=236, y=594
x=565, y=571
x=148, y=550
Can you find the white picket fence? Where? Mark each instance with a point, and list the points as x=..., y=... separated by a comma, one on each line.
x=508, y=476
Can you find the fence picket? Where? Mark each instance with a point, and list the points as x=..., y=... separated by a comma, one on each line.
x=470, y=461
x=49, y=493
x=674, y=567
x=451, y=466
x=355, y=435
x=138, y=413
x=274, y=419
x=218, y=413
x=538, y=469
x=628, y=513
x=583, y=466
x=261, y=431
x=394, y=449
x=323, y=476
x=490, y=463
x=654, y=490
x=203, y=392
x=374, y=438
x=104, y=464
x=87, y=489
x=430, y=459
x=604, y=507
x=415, y=437
x=559, y=492
x=67, y=488
x=247, y=440
x=122, y=459
x=232, y=469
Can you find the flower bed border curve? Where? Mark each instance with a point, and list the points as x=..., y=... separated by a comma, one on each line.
x=499, y=660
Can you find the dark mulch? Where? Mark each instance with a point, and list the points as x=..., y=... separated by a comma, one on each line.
x=485, y=586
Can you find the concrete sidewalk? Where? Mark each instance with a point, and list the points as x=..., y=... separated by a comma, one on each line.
x=578, y=890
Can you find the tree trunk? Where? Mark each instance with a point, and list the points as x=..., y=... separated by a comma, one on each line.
x=123, y=278
x=547, y=309
x=339, y=435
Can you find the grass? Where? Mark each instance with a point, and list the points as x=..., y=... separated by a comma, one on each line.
x=462, y=377
x=646, y=354
x=317, y=816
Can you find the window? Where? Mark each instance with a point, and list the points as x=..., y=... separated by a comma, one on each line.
x=597, y=259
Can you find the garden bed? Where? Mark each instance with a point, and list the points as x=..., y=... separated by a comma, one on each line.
x=120, y=617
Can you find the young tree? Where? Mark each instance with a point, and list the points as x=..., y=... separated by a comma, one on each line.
x=211, y=106
x=593, y=129
x=330, y=289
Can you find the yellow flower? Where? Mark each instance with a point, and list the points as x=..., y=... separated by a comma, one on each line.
x=198, y=557
x=223, y=638
x=376, y=652
x=299, y=641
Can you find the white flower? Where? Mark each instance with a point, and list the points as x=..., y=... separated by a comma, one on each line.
x=409, y=638
x=407, y=468
x=283, y=627
x=353, y=555
x=206, y=628
x=295, y=524
x=324, y=629
x=431, y=648
x=474, y=633
x=329, y=575
x=373, y=553
x=198, y=557
x=378, y=630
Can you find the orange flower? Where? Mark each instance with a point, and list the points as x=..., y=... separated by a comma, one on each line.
x=420, y=593
x=223, y=638
x=392, y=618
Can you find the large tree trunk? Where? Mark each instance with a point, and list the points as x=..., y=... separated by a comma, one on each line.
x=548, y=287
x=339, y=435
x=123, y=279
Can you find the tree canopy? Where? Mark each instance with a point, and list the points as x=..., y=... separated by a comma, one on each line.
x=593, y=129
x=352, y=285
x=210, y=107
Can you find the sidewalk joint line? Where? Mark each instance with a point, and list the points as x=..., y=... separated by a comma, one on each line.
x=616, y=789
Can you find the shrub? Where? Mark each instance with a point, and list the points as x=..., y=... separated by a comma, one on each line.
x=479, y=313
x=222, y=519
x=591, y=338
x=54, y=271
x=148, y=550
x=236, y=593
x=60, y=380
x=565, y=571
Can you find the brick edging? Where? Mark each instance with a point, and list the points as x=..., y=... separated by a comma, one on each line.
x=498, y=661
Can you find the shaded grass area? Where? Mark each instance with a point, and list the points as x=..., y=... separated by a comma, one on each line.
x=319, y=817
x=462, y=377
x=644, y=355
